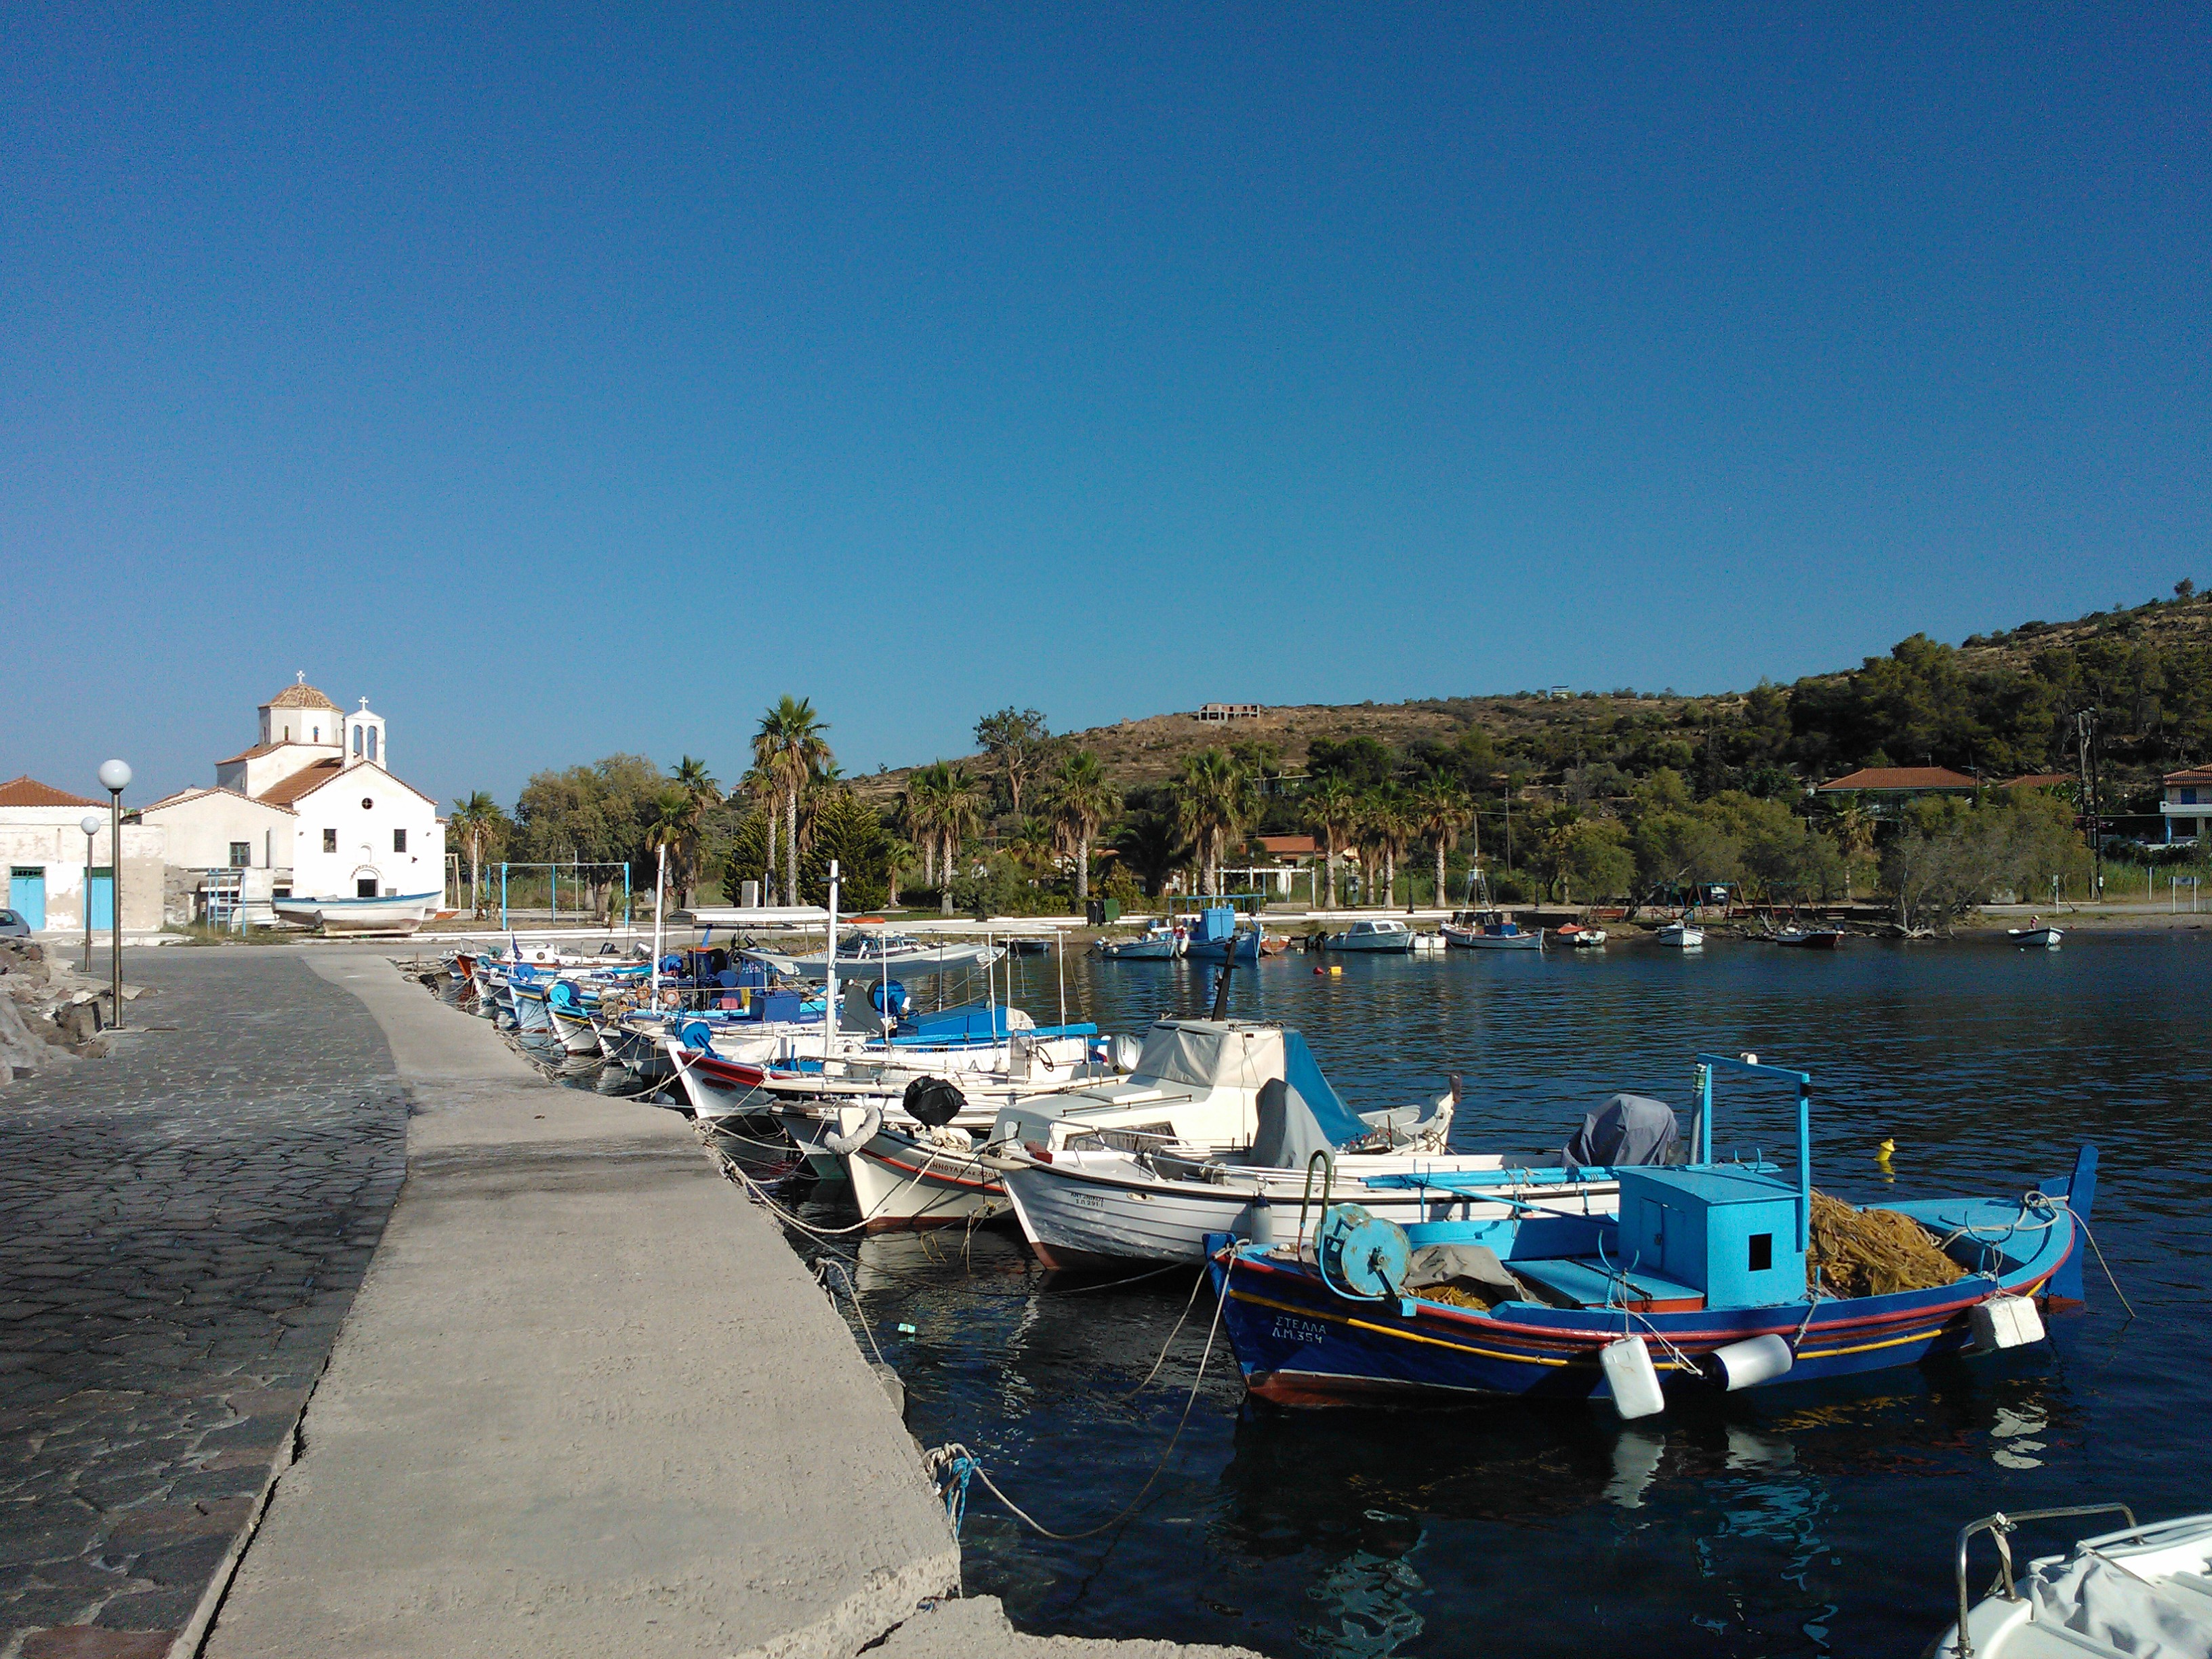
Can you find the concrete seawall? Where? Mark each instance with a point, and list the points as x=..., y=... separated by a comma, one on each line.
x=588, y=1401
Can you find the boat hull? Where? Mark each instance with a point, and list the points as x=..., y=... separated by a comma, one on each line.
x=900, y=1180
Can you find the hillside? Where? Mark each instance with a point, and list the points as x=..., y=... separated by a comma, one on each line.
x=1998, y=703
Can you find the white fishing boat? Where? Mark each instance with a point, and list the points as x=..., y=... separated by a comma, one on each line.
x=2038, y=935
x=1680, y=934
x=1381, y=934
x=400, y=913
x=1158, y=942
x=1490, y=930
x=1579, y=936
x=2142, y=1589
x=863, y=954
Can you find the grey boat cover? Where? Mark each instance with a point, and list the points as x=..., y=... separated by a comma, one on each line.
x=1300, y=1113
x=1626, y=1130
x=1476, y=1267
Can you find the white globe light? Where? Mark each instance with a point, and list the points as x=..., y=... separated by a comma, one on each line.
x=92, y=823
x=114, y=775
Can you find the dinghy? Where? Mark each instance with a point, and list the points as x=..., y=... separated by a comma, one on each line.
x=1158, y=942
x=2038, y=935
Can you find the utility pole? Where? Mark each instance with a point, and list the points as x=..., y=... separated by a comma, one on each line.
x=2085, y=726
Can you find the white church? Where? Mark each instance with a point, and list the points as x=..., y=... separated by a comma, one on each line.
x=310, y=810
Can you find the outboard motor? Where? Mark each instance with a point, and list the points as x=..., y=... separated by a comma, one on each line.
x=933, y=1101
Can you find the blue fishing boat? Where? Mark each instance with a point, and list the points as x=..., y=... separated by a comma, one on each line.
x=1699, y=1282
x=1215, y=934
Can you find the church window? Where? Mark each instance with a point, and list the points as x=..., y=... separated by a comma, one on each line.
x=372, y=743
x=357, y=740
x=399, y=841
x=330, y=841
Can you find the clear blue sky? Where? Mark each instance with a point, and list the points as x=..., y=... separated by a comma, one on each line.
x=568, y=382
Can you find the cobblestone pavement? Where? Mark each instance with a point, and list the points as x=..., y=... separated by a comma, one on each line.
x=182, y=1228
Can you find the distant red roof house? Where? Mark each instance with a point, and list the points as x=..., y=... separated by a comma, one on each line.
x=1288, y=846
x=2194, y=774
x=28, y=791
x=2039, y=781
x=1899, y=780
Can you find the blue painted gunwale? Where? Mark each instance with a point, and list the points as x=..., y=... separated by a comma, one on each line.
x=1370, y=1350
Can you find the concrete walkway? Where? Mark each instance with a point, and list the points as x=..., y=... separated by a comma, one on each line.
x=587, y=1401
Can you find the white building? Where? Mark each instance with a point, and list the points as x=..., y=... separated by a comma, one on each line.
x=311, y=810
x=52, y=869
x=2187, y=805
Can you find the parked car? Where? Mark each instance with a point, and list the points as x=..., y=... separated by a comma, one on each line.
x=13, y=925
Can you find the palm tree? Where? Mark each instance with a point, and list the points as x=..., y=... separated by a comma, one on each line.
x=926, y=789
x=1214, y=798
x=960, y=815
x=1334, y=810
x=1441, y=811
x=759, y=787
x=477, y=819
x=1383, y=832
x=789, y=746
x=672, y=822
x=1035, y=845
x=1081, y=799
x=1150, y=849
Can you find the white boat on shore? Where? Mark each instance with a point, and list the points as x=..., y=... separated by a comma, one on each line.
x=1680, y=934
x=400, y=914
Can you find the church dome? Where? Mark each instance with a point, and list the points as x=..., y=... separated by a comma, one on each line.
x=302, y=696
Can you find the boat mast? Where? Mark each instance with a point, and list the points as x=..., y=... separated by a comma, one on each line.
x=659, y=887
x=829, y=975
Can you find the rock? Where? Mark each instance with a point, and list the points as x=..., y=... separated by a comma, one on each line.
x=77, y=1022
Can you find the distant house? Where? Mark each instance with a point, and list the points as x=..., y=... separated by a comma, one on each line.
x=54, y=874
x=1215, y=712
x=1289, y=849
x=2187, y=807
x=1900, y=782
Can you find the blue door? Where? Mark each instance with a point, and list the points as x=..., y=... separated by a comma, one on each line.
x=100, y=894
x=27, y=893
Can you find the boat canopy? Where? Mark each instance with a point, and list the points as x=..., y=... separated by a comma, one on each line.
x=1626, y=1130
x=1300, y=1113
x=1203, y=1053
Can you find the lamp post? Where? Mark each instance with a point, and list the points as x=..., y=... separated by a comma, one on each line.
x=115, y=776
x=90, y=824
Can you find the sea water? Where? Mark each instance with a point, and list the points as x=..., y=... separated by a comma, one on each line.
x=1800, y=1519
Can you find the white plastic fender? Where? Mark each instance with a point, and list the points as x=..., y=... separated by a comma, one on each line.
x=1754, y=1361
x=1634, y=1382
x=2004, y=1321
x=856, y=1128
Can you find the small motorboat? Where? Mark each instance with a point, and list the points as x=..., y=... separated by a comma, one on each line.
x=1383, y=933
x=393, y=913
x=1577, y=937
x=1681, y=934
x=2141, y=1590
x=2038, y=935
x=1808, y=938
x=1158, y=942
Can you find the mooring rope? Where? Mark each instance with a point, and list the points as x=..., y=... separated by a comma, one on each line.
x=952, y=1465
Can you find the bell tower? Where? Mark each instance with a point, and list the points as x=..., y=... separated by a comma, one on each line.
x=364, y=738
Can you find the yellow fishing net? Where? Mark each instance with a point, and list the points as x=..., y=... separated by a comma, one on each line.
x=1873, y=1252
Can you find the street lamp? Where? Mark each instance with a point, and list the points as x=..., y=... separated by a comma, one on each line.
x=115, y=777
x=90, y=824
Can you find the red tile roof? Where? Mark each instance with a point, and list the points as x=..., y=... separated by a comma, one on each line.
x=2193, y=774
x=28, y=791
x=1899, y=778
x=302, y=696
x=1287, y=847
x=285, y=791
